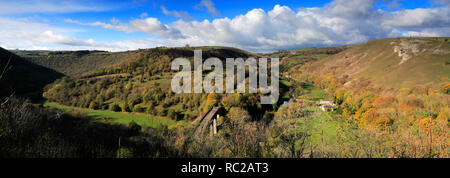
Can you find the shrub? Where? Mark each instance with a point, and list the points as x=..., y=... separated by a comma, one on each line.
x=130, y=107
x=138, y=108
x=174, y=114
x=443, y=115
x=445, y=89
x=238, y=115
x=93, y=105
x=150, y=108
x=125, y=153
x=133, y=128
x=29, y=131
x=114, y=107
x=124, y=107
x=161, y=111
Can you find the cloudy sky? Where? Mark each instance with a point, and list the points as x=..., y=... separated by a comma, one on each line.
x=254, y=25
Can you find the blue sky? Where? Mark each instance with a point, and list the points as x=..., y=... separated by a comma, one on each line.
x=255, y=25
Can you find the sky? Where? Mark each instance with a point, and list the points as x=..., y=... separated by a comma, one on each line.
x=253, y=25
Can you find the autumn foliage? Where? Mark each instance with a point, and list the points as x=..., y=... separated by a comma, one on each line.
x=410, y=122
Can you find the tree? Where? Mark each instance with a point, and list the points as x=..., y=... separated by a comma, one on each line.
x=228, y=102
x=173, y=114
x=160, y=111
x=443, y=115
x=138, y=108
x=369, y=117
x=211, y=101
x=238, y=115
x=383, y=122
x=114, y=107
x=133, y=128
x=124, y=107
x=93, y=105
x=150, y=108
x=445, y=89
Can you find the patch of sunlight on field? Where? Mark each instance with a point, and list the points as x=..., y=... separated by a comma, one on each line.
x=313, y=93
x=118, y=117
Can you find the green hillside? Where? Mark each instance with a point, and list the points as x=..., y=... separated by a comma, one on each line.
x=297, y=57
x=141, y=83
x=76, y=63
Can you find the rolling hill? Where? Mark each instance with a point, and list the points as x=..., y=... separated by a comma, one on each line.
x=139, y=81
x=76, y=63
x=296, y=57
x=389, y=63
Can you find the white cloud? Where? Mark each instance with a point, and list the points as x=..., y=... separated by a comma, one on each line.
x=394, y=4
x=419, y=34
x=442, y=2
x=419, y=18
x=350, y=8
x=209, y=5
x=114, y=20
x=282, y=28
x=181, y=15
x=151, y=26
x=342, y=22
x=49, y=6
x=143, y=15
x=21, y=33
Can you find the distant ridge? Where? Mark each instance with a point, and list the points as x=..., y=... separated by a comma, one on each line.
x=77, y=63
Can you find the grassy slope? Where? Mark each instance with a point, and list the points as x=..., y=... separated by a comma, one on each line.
x=118, y=117
x=75, y=63
x=313, y=93
x=71, y=63
x=296, y=57
x=320, y=125
x=377, y=61
x=323, y=126
x=290, y=59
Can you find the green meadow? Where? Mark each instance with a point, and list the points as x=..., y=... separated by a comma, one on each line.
x=118, y=117
x=323, y=127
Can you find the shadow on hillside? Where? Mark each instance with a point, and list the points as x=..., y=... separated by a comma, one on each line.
x=22, y=77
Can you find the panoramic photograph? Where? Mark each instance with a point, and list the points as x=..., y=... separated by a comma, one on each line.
x=224, y=79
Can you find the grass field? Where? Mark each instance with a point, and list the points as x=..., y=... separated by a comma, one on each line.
x=320, y=125
x=323, y=127
x=118, y=117
x=312, y=92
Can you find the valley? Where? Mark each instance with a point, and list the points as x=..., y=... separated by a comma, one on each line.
x=383, y=103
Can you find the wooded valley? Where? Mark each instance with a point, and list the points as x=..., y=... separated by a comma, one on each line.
x=361, y=101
